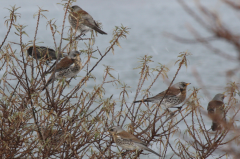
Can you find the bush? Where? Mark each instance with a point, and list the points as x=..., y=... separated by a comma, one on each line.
x=57, y=124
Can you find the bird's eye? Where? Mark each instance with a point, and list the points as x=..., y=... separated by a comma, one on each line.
x=111, y=130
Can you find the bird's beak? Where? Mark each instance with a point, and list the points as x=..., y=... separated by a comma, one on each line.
x=188, y=84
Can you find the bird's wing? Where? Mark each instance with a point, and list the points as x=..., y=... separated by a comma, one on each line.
x=216, y=110
x=126, y=135
x=171, y=92
x=75, y=15
x=211, y=107
x=139, y=143
x=84, y=18
x=96, y=24
x=214, y=105
x=63, y=64
x=88, y=19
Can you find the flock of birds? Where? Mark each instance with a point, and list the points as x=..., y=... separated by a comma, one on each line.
x=70, y=65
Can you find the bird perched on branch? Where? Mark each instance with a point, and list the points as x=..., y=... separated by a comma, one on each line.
x=82, y=21
x=128, y=141
x=42, y=52
x=216, y=111
x=51, y=134
x=175, y=95
x=68, y=67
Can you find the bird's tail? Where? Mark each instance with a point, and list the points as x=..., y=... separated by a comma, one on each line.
x=144, y=147
x=96, y=28
x=137, y=101
x=150, y=150
x=99, y=30
x=144, y=100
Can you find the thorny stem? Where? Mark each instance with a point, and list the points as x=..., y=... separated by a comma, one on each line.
x=86, y=76
x=83, y=116
x=34, y=41
x=9, y=28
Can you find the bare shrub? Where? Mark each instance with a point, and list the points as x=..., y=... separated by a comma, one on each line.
x=57, y=124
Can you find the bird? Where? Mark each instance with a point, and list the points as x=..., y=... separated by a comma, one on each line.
x=175, y=95
x=128, y=141
x=81, y=21
x=216, y=111
x=42, y=52
x=52, y=134
x=68, y=67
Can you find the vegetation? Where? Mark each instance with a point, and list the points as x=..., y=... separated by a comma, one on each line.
x=56, y=124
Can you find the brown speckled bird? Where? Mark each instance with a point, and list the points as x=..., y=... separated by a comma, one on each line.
x=128, y=141
x=82, y=21
x=175, y=95
x=45, y=53
x=51, y=134
x=216, y=111
x=68, y=67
